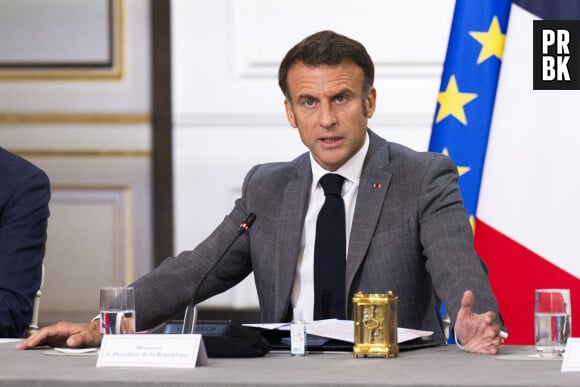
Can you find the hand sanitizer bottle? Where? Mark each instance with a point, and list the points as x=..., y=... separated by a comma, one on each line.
x=298, y=334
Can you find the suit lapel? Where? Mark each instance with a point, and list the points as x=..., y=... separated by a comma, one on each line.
x=373, y=187
x=292, y=212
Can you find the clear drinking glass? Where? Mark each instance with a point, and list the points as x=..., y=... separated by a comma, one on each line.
x=552, y=321
x=117, y=310
x=189, y=320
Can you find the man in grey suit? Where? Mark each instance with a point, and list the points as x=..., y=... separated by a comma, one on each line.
x=407, y=230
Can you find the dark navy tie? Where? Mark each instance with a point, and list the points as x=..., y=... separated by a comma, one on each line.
x=330, y=252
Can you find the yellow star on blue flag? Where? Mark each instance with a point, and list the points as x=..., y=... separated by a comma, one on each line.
x=461, y=170
x=492, y=41
x=451, y=102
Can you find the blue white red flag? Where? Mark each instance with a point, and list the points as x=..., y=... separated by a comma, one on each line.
x=516, y=153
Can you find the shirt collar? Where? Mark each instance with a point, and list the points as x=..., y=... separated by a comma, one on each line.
x=351, y=170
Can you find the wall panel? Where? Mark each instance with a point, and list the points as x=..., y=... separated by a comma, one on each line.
x=90, y=245
x=99, y=231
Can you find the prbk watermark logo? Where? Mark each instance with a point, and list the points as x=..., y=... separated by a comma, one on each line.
x=556, y=54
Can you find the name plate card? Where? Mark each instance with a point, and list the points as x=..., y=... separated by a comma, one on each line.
x=160, y=351
x=571, y=362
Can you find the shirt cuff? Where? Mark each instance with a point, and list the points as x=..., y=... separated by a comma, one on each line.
x=457, y=341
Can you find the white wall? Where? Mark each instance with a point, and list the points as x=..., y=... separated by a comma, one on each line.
x=228, y=110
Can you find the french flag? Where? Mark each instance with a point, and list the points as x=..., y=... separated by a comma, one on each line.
x=516, y=150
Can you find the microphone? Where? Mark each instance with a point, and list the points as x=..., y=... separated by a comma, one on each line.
x=190, y=317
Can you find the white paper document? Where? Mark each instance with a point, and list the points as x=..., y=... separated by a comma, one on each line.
x=571, y=362
x=63, y=351
x=341, y=330
x=2, y=341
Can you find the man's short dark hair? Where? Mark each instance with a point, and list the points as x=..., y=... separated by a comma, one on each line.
x=327, y=48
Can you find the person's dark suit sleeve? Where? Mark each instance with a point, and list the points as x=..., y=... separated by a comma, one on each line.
x=23, y=224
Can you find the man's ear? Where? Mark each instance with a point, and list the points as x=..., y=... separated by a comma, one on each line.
x=290, y=113
x=371, y=102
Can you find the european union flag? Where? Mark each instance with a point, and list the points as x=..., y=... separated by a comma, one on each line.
x=467, y=93
x=468, y=85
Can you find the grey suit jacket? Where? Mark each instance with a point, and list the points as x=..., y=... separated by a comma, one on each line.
x=410, y=234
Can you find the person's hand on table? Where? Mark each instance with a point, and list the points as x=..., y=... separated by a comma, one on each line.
x=477, y=333
x=65, y=334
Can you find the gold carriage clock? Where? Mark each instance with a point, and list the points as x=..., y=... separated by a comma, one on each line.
x=375, y=325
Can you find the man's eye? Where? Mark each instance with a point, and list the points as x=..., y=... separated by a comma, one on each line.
x=309, y=102
x=340, y=99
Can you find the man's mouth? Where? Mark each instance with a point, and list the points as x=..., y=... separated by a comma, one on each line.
x=330, y=140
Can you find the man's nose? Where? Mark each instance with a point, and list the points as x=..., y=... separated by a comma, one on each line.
x=327, y=118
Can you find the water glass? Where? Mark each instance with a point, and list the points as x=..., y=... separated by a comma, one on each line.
x=552, y=321
x=117, y=310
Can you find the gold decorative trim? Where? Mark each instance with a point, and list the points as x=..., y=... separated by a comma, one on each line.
x=116, y=72
x=67, y=118
x=87, y=153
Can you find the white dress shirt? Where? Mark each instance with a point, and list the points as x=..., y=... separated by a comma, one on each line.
x=303, y=290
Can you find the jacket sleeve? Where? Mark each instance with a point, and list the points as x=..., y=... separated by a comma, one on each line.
x=23, y=224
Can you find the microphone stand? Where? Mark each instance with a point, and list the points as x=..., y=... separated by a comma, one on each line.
x=190, y=318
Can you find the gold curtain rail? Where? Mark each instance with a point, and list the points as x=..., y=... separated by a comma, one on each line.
x=89, y=153
x=50, y=118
